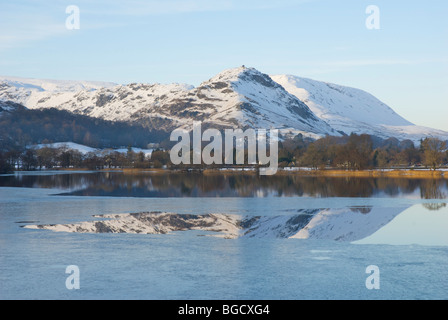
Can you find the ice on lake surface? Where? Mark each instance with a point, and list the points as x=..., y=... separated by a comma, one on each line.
x=400, y=228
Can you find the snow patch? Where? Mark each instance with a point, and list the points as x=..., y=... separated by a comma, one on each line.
x=85, y=149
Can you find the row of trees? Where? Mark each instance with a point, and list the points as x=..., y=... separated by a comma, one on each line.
x=62, y=157
x=357, y=152
x=354, y=152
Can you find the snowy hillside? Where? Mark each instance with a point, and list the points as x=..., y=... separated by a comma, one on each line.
x=52, y=86
x=107, y=101
x=246, y=97
x=352, y=110
x=66, y=145
x=85, y=149
x=239, y=98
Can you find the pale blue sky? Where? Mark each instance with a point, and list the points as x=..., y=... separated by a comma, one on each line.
x=404, y=64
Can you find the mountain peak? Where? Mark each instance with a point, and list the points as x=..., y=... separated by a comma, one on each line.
x=251, y=98
x=242, y=74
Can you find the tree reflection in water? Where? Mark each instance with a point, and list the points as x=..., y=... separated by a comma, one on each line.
x=228, y=185
x=433, y=189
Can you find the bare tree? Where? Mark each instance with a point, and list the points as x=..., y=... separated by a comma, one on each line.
x=434, y=150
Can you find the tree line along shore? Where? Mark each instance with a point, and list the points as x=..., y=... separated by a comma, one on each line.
x=354, y=155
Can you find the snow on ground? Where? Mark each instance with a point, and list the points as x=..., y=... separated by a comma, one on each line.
x=85, y=149
x=147, y=152
x=69, y=145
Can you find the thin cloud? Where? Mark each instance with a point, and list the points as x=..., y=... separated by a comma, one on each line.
x=19, y=35
x=158, y=7
x=23, y=22
x=368, y=62
x=20, y=25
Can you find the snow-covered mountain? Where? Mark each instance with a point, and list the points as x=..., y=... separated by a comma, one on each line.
x=103, y=100
x=246, y=97
x=239, y=98
x=28, y=86
x=350, y=110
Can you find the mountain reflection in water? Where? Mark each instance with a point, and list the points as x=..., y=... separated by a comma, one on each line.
x=343, y=224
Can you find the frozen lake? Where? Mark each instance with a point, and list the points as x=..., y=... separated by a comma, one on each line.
x=398, y=226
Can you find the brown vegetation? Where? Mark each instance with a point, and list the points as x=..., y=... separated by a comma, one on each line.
x=354, y=155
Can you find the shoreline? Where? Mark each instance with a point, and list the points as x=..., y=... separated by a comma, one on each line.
x=307, y=172
x=373, y=173
x=295, y=171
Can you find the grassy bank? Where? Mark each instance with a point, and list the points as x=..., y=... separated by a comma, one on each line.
x=405, y=173
x=375, y=173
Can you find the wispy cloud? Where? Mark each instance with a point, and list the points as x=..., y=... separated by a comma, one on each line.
x=21, y=24
x=341, y=65
x=315, y=68
x=157, y=7
x=368, y=62
x=20, y=35
x=24, y=21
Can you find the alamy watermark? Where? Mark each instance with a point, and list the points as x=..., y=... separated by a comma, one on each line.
x=235, y=141
x=73, y=281
x=373, y=280
x=73, y=21
x=373, y=20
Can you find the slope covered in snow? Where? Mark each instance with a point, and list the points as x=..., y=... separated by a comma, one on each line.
x=240, y=97
x=103, y=100
x=244, y=97
x=66, y=145
x=52, y=86
x=85, y=149
x=351, y=110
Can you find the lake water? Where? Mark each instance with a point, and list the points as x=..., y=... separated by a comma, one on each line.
x=398, y=225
